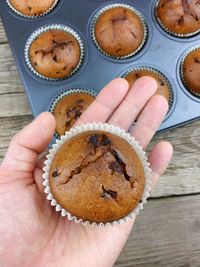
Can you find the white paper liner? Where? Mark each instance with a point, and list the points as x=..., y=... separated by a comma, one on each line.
x=157, y=72
x=105, y=128
x=32, y=17
x=63, y=94
x=189, y=51
x=180, y=35
x=41, y=30
x=111, y=6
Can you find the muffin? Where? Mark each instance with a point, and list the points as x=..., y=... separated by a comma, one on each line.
x=164, y=88
x=55, y=54
x=191, y=72
x=32, y=8
x=119, y=31
x=68, y=107
x=97, y=176
x=179, y=17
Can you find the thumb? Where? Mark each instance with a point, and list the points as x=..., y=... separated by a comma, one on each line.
x=29, y=143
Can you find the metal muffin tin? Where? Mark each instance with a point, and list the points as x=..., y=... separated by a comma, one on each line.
x=161, y=51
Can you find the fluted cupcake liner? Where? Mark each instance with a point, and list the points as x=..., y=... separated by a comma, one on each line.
x=44, y=29
x=66, y=93
x=111, y=6
x=35, y=16
x=103, y=128
x=167, y=30
x=187, y=53
x=160, y=74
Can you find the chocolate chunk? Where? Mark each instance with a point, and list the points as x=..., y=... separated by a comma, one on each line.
x=161, y=82
x=94, y=140
x=105, y=140
x=197, y=60
x=115, y=166
x=55, y=58
x=55, y=174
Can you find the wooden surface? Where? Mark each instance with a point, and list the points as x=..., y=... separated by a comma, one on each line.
x=167, y=232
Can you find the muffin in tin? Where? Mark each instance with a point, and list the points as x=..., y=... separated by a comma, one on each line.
x=97, y=176
x=32, y=8
x=180, y=18
x=191, y=71
x=54, y=52
x=68, y=107
x=119, y=31
x=164, y=87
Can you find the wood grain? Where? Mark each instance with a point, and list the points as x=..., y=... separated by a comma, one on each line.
x=3, y=38
x=166, y=234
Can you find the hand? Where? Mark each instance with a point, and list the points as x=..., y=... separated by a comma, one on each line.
x=31, y=232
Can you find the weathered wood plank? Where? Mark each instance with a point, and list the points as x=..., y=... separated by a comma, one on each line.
x=3, y=38
x=166, y=234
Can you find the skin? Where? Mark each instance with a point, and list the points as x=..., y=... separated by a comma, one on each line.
x=32, y=233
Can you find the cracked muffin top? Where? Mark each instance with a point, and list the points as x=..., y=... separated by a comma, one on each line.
x=97, y=177
x=32, y=7
x=55, y=54
x=119, y=31
x=68, y=110
x=180, y=16
x=163, y=86
x=191, y=71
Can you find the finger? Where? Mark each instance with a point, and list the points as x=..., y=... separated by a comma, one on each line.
x=159, y=159
x=150, y=120
x=29, y=143
x=105, y=103
x=138, y=96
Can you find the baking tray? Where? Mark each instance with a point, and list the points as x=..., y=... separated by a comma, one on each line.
x=161, y=51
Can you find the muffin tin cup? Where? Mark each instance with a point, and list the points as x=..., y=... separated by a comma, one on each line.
x=66, y=93
x=167, y=30
x=182, y=72
x=41, y=30
x=105, y=128
x=111, y=6
x=35, y=16
x=157, y=72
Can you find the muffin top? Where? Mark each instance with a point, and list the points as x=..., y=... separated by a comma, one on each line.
x=97, y=177
x=163, y=86
x=68, y=110
x=119, y=31
x=191, y=71
x=32, y=7
x=55, y=54
x=180, y=16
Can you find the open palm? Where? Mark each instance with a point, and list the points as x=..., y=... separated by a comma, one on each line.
x=32, y=232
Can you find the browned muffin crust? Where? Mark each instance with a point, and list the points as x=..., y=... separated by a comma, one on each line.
x=55, y=54
x=69, y=109
x=97, y=177
x=180, y=16
x=163, y=86
x=119, y=31
x=191, y=72
x=32, y=7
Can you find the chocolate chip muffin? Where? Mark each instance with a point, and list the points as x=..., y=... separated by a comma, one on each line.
x=119, y=31
x=69, y=108
x=191, y=72
x=55, y=54
x=97, y=177
x=163, y=85
x=32, y=7
x=179, y=16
